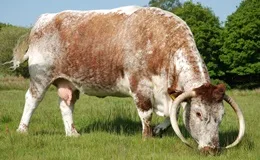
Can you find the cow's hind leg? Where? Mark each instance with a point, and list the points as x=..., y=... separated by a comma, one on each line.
x=67, y=98
x=33, y=97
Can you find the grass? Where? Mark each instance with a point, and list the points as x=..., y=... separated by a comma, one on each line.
x=11, y=82
x=110, y=129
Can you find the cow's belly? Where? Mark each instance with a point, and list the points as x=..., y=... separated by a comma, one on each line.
x=92, y=91
x=121, y=88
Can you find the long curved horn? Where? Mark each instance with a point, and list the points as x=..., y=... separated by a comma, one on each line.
x=174, y=110
x=241, y=120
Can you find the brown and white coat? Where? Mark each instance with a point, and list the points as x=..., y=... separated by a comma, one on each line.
x=130, y=51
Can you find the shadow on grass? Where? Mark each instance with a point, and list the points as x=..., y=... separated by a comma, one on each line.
x=125, y=126
x=228, y=137
x=118, y=125
x=169, y=132
x=48, y=132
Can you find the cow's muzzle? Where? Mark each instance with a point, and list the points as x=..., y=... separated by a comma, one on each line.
x=210, y=150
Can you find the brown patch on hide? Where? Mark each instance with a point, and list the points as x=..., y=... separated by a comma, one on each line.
x=210, y=93
x=92, y=54
x=134, y=81
x=143, y=103
x=173, y=89
x=219, y=92
x=33, y=90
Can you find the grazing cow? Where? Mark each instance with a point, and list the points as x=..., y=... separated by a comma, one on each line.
x=145, y=53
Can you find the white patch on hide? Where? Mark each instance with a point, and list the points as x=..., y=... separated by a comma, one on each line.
x=187, y=78
x=161, y=99
x=144, y=116
x=43, y=20
x=123, y=85
x=128, y=10
x=145, y=87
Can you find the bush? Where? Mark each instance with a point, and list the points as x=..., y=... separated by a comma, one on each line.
x=8, y=38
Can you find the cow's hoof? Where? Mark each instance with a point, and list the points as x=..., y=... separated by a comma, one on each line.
x=22, y=131
x=73, y=134
x=145, y=137
x=158, y=131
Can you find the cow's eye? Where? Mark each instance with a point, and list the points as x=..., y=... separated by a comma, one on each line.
x=199, y=115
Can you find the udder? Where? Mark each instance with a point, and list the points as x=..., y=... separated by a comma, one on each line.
x=65, y=91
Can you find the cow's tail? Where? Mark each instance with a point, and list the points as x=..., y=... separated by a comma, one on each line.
x=20, y=53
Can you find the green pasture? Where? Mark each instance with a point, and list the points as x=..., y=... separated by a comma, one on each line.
x=110, y=129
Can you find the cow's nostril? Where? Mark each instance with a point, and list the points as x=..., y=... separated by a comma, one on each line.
x=210, y=150
x=207, y=148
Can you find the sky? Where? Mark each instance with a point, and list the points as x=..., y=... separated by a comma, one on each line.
x=26, y=12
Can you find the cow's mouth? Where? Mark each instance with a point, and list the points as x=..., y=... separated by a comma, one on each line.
x=207, y=150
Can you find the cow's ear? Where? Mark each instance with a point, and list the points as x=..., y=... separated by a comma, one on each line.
x=219, y=92
x=174, y=93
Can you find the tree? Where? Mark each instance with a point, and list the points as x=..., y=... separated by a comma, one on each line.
x=241, y=48
x=168, y=5
x=206, y=29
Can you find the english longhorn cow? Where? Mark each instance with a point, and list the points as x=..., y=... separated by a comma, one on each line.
x=143, y=52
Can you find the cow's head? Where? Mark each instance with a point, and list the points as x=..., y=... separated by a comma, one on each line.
x=202, y=115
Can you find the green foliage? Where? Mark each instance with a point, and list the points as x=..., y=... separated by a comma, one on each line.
x=8, y=38
x=231, y=52
x=241, y=48
x=206, y=29
x=168, y=5
x=2, y=25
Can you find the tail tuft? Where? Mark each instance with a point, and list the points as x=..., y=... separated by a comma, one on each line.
x=20, y=51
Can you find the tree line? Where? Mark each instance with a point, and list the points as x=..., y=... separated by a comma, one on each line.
x=231, y=50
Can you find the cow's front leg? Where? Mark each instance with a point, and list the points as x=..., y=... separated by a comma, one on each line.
x=145, y=111
x=67, y=106
x=146, y=117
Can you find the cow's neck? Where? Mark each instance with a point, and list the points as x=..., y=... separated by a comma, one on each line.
x=190, y=69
